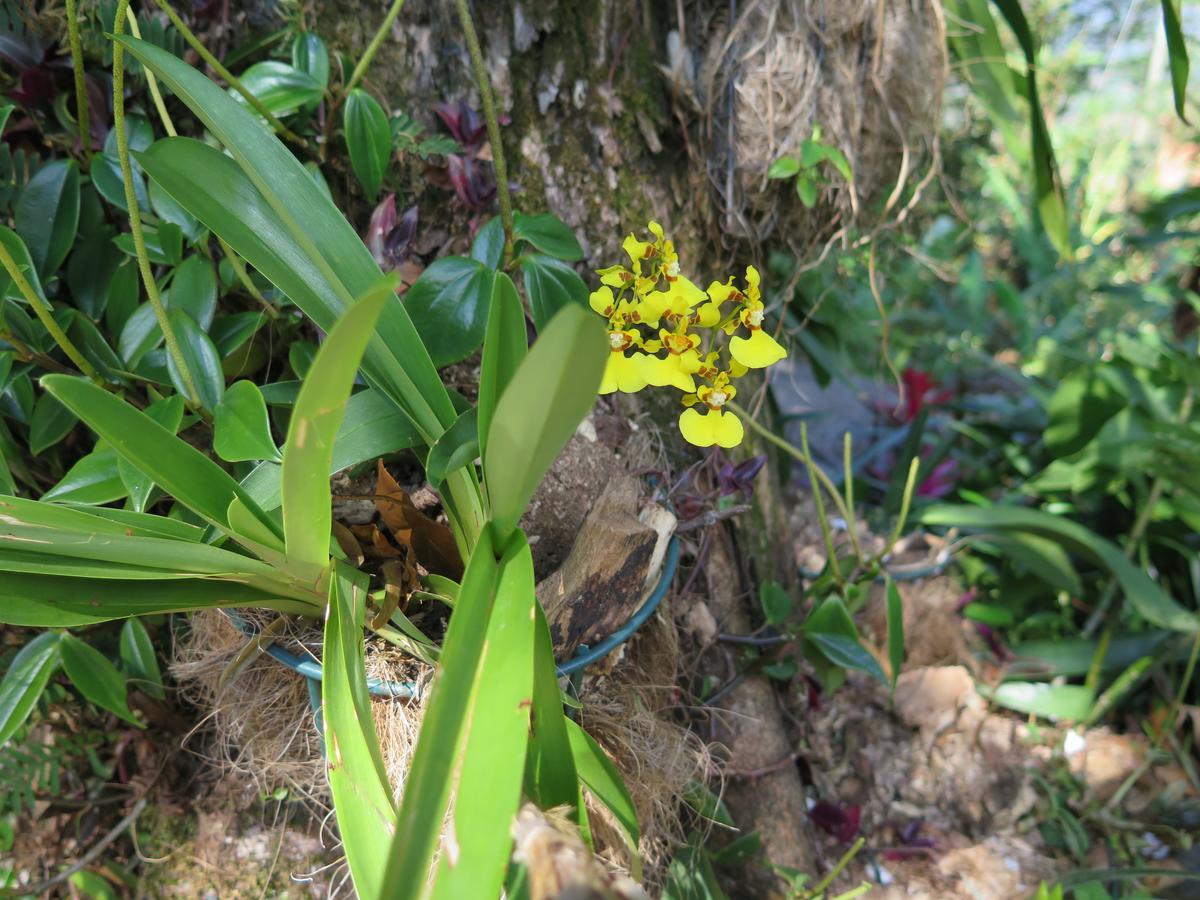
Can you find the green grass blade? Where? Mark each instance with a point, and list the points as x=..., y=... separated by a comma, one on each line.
x=489, y=788
x=1177, y=51
x=308, y=452
x=95, y=677
x=549, y=394
x=427, y=792
x=603, y=779
x=895, y=630
x=362, y=798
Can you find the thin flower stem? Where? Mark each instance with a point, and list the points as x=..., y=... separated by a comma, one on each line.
x=826, y=534
x=364, y=63
x=227, y=76
x=825, y=882
x=910, y=485
x=135, y=214
x=82, y=113
x=493, y=128
x=151, y=80
x=848, y=509
x=44, y=314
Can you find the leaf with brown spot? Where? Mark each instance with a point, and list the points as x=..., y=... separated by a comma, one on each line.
x=432, y=543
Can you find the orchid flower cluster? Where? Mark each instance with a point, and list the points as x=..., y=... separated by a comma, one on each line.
x=664, y=331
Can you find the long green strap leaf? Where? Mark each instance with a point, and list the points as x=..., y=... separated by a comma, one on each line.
x=176, y=466
x=504, y=346
x=25, y=680
x=489, y=786
x=95, y=520
x=308, y=452
x=1172, y=11
x=427, y=792
x=1154, y=605
x=554, y=781
x=1050, y=197
x=315, y=223
x=362, y=798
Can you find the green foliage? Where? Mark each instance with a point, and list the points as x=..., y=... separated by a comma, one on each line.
x=368, y=140
x=806, y=169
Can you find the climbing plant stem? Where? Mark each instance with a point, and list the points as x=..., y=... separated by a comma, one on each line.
x=45, y=315
x=135, y=213
x=493, y=126
x=82, y=113
x=364, y=61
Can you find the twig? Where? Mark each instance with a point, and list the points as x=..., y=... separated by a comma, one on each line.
x=774, y=767
x=82, y=113
x=364, y=63
x=135, y=213
x=712, y=517
x=95, y=851
x=493, y=127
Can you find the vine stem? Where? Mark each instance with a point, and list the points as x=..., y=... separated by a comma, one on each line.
x=135, y=213
x=227, y=76
x=151, y=79
x=493, y=127
x=43, y=311
x=82, y=113
x=364, y=63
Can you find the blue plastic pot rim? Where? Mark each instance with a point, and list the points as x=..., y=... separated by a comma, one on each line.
x=584, y=657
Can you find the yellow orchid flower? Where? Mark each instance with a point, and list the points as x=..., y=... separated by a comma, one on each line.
x=603, y=301
x=757, y=351
x=681, y=363
x=615, y=276
x=714, y=425
x=638, y=250
x=681, y=295
x=623, y=373
x=753, y=279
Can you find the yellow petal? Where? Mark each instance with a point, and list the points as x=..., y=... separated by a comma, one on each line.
x=635, y=248
x=711, y=427
x=708, y=315
x=656, y=230
x=683, y=294
x=757, y=351
x=601, y=300
x=669, y=372
x=623, y=373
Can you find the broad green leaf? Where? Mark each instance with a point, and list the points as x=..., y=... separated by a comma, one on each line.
x=488, y=792
x=20, y=253
x=50, y=424
x=25, y=680
x=776, y=602
x=167, y=209
x=168, y=413
x=46, y=214
x=846, y=652
x=140, y=335
x=504, y=346
x=895, y=630
x=201, y=358
x=784, y=167
x=1051, y=201
x=94, y=479
x=989, y=614
x=90, y=271
x=435, y=759
x=549, y=234
x=1078, y=409
x=54, y=601
x=700, y=797
x=691, y=877
x=550, y=285
x=310, y=55
x=448, y=304
x=105, y=172
x=241, y=429
x=1040, y=556
x=194, y=290
x=1072, y=657
x=550, y=393
x=488, y=246
x=311, y=227
x=981, y=59
x=308, y=452
x=92, y=344
x=458, y=447
x=96, y=520
x=139, y=659
x=806, y=190
x=368, y=140
x=95, y=677
x=1150, y=601
x=174, y=465
x=282, y=88
x=1172, y=13
x=551, y=766
x=362, y=797
x=603, y=779
x=1051, y=701
x=93, y=886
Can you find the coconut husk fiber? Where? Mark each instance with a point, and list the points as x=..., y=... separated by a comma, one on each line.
x=260, y=726
x=869, y=73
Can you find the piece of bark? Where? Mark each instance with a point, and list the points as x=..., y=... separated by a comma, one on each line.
x=616, y=557
x=752, y=729
x=560, y=867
